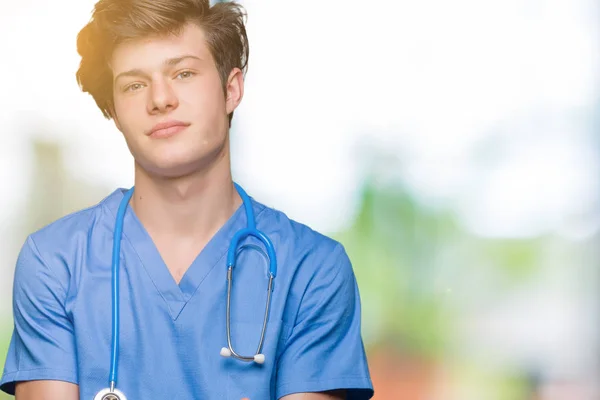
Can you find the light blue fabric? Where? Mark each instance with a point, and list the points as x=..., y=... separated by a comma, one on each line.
x=171, y=334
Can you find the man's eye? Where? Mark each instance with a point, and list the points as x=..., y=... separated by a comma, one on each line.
x=185, y=74
x=133, y=87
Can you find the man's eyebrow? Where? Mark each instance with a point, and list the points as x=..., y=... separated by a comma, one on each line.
x=133, y=73
x=169, y=62
x=174, y=61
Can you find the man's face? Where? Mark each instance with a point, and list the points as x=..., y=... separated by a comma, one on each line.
x=172, y=79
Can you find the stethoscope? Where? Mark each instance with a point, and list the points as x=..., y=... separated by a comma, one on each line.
x=112, y=393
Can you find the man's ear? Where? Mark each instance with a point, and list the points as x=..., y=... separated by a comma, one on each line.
x=234, y=90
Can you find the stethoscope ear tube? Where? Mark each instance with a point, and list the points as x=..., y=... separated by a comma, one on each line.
x=250, y=230
x=244, y=233
x=258, y=357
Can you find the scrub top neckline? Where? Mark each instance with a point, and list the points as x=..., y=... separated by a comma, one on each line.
x=176, y=296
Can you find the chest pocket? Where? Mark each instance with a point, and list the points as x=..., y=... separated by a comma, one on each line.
x=250, y=379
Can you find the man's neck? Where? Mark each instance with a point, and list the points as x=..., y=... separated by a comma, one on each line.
x=194, y=206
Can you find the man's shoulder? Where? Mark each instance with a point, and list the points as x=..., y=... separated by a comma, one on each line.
x=67, y=228
x=54, y=250
x=302, y=251
x=291, y=231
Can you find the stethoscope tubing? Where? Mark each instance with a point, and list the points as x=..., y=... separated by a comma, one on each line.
x=118, y=233
x=250, y=230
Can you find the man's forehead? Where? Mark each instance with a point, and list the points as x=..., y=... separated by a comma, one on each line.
x=158, y=49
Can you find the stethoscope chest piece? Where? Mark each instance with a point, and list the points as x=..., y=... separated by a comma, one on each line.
x=107, y=394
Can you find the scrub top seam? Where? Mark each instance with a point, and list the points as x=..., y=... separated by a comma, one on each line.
x=323, y=299
x=75, y=298
x=38, y=369
x=47, y=265
x=53, y=273
x=339, y=378
x=66, y=218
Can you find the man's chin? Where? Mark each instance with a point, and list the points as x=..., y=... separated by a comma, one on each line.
x=170, y=169
x=179, y=162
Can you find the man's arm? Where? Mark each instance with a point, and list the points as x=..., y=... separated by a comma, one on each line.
x=46, y=390
x=42, y=348
x=332, y=395
x=324, y=352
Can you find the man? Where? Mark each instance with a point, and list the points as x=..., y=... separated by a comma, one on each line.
x=170, y=75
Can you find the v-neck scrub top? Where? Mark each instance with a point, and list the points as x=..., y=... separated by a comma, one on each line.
x=171, y=334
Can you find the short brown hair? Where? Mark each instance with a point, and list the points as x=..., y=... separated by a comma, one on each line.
x=116, y=21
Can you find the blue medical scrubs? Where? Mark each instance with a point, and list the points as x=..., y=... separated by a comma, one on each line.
x=171, y=334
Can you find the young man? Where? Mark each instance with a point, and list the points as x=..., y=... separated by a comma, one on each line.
x=170, y=75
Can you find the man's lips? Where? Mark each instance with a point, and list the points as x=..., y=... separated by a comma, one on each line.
x=167, y=128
